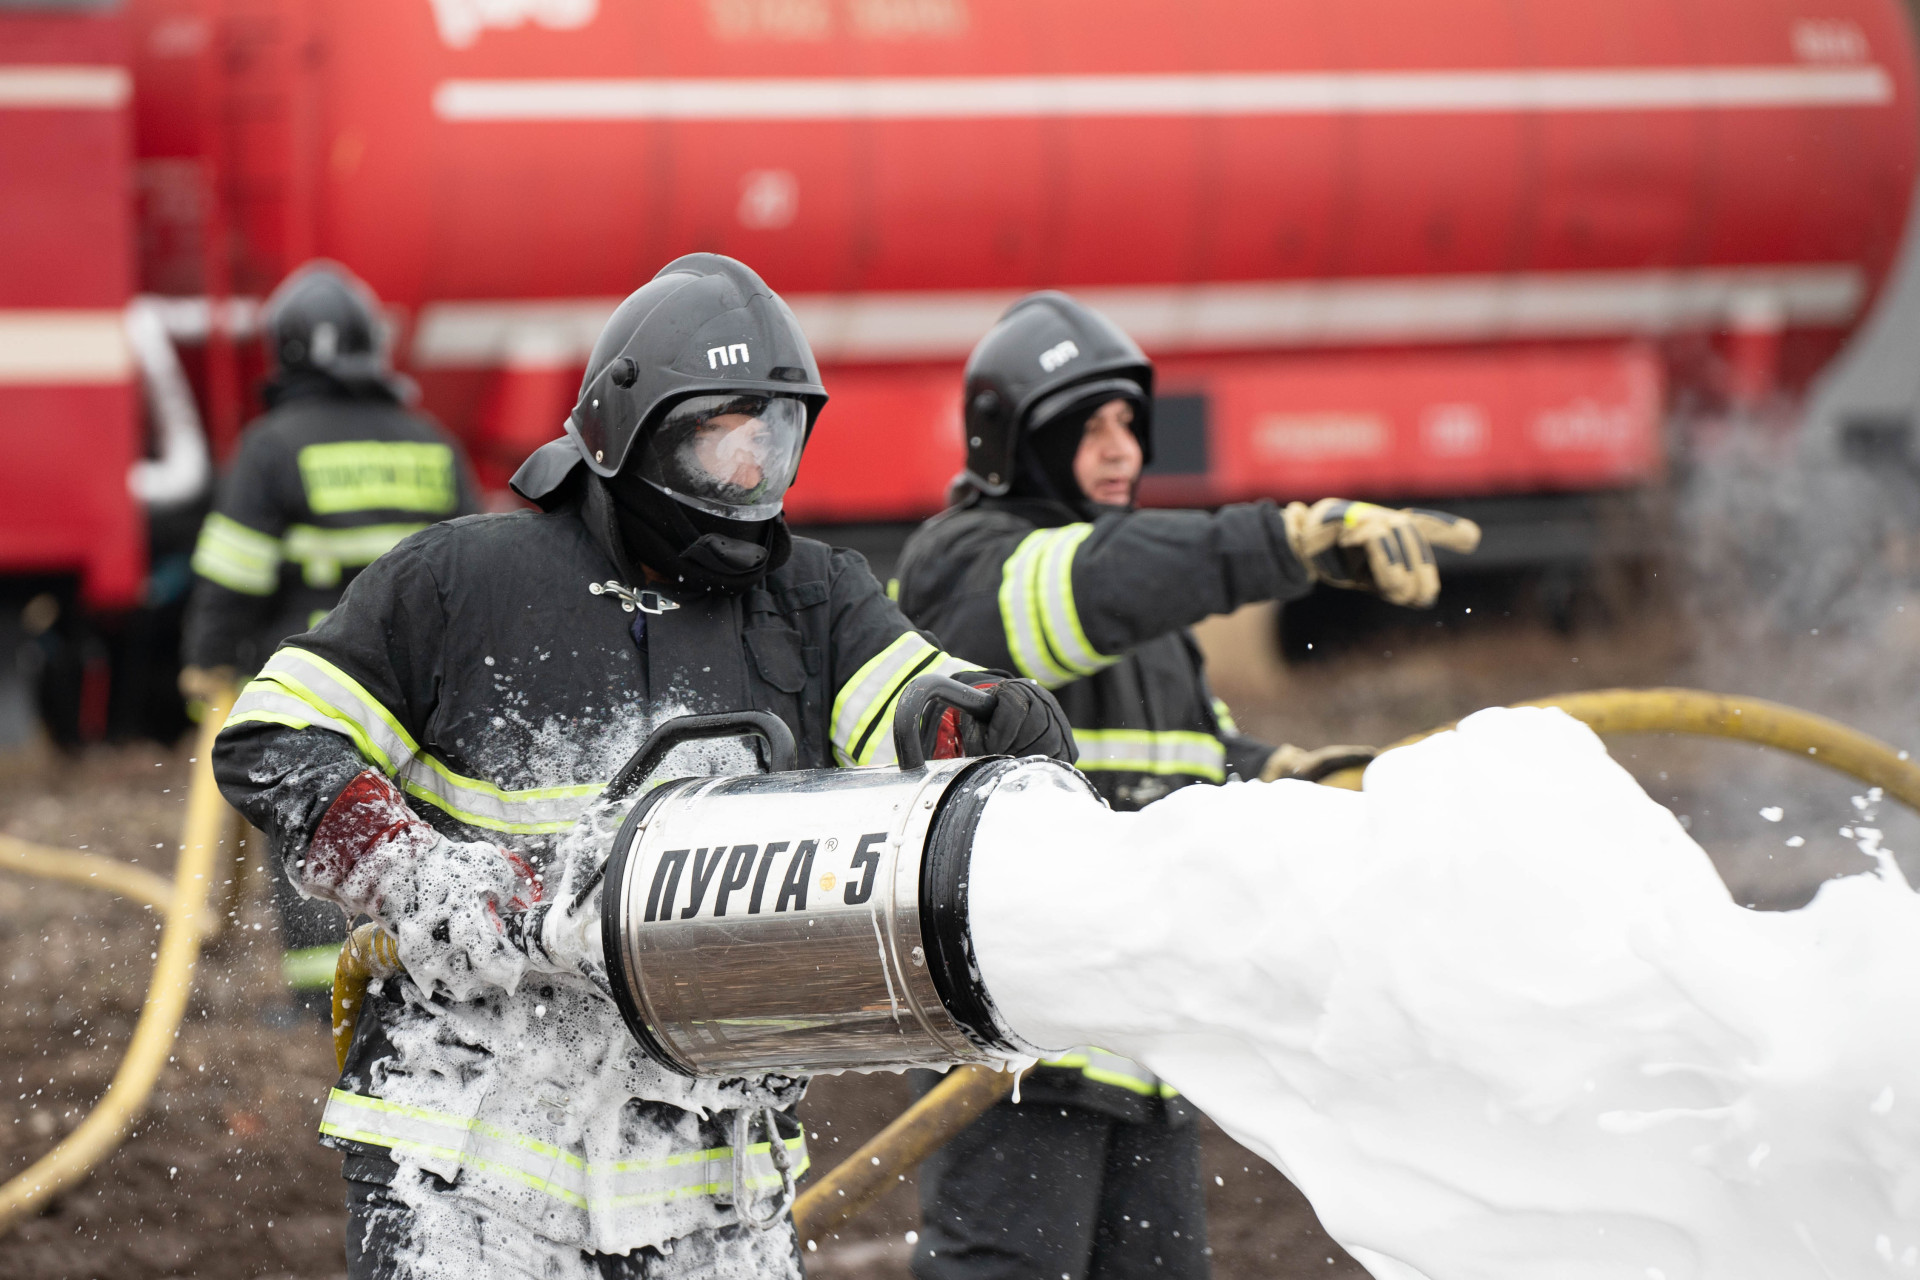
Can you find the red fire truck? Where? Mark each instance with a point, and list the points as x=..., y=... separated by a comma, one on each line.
x=1380, y=247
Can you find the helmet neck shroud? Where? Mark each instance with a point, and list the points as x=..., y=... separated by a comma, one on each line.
x=1045, y=451
x=691, y=549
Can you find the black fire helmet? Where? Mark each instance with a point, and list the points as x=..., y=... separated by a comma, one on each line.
x=324, y=318
x=704, y=325
x=1047, y=355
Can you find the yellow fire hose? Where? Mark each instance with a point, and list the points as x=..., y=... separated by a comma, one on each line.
x=89, y=869
x=370, y=953
x=1816, y=738
x=862, y=1178
x=166, y=1004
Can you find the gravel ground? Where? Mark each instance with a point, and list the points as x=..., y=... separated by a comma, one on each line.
x=222, y=1178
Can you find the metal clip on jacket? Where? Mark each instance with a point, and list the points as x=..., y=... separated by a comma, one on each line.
x=645, y=599
x=782, y=1163
x=811, y=920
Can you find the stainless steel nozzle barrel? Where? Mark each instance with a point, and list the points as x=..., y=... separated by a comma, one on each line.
x=809, y=920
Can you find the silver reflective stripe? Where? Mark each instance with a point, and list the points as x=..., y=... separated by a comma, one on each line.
x=340, y=700
x=1020, y=614
x=1171, y=751
x=1038, y=612
x=301, y=689
x=489, y=1151
x=1058, y=612
x=478, y=803
x=238, y=558
x=322, y=553
x=862, y=727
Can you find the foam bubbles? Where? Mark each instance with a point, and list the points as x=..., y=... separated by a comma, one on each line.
x=1496, y=1016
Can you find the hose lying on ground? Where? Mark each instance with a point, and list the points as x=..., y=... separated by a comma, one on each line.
x=852, y=1186
x=90, y=869
x=930, y=1123
x=1823, y=741
x=153, y=1035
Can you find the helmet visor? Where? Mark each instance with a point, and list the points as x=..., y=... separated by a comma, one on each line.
x=727, y=455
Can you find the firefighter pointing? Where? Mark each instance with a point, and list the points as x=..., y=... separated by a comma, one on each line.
x=335, y=474
x=1044, y=567
x=423, y=753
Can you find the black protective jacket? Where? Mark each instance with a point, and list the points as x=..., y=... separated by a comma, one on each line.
x=1098, y=612
x=474, y=666
x=321, y=486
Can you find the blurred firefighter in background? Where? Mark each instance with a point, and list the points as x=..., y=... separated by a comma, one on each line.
x=335, y=473
x=1042, y=565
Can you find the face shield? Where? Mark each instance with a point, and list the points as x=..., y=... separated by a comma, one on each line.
x=729, y=455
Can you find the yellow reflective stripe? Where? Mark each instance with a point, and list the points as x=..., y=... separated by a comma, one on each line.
x=1102, y=1067
x=378, y=475
x=1058, y=613
x=1038, y=612
x=342, y=702
x=479, y=803
x=862, y=723
x=310, y=966
x=263, y=716
x=1169, y=751
x=238, y=558
x=486, y=1148
x=323, y=553
x=296, y=686
x=1224, y=717
x=1020, y=612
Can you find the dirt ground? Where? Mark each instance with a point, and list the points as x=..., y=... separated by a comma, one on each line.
x=222, y=1178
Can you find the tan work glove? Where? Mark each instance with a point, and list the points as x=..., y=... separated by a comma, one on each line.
x=1289, y=761
x=1386, y=550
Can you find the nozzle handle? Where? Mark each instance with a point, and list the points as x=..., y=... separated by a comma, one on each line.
x=782, y=755
x=909, y=743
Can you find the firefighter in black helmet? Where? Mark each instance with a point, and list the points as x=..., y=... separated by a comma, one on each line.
x=430, y=754
x=336, y=472
x=1042, y=565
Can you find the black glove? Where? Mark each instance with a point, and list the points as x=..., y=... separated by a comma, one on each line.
x=1026, y=721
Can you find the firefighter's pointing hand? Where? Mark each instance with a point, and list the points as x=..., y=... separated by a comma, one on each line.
x=1386, y=550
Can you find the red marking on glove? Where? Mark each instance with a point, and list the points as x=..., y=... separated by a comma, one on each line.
x=371, y=812
x=534, y=892
x=946, y=739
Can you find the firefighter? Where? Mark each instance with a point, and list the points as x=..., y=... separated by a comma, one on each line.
x=421, y=754
x=335, y=473
x=1042, y=565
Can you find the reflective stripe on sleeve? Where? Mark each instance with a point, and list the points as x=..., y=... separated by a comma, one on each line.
x=862, y=727
x=303, y=690
x=1223, y=716
x=323, y=553
x=1169, y=751
x=238, y=558
x=1038, y=612
x=378, y=475
x=488, y=1150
